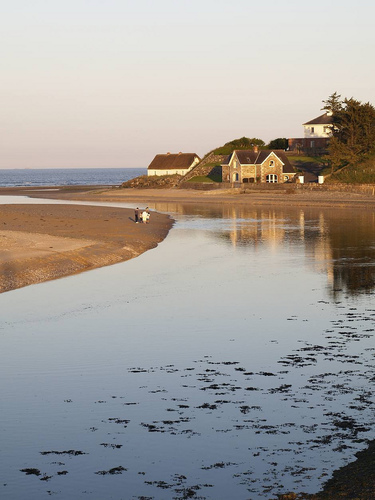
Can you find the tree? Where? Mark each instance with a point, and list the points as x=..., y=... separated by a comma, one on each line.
x=242, y=143
x=279, y=143
x=333, y=104
x=353, y=130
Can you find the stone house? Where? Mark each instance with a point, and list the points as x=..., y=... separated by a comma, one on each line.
x=250, y=166
x=170, y=164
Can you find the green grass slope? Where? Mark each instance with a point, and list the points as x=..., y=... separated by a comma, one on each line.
x=361, y=173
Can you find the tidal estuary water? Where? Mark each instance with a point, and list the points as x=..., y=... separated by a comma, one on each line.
x=234, y=361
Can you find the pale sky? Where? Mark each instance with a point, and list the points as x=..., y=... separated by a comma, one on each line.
x=111, y=83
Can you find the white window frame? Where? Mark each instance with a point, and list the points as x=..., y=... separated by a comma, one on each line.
x=272, y=178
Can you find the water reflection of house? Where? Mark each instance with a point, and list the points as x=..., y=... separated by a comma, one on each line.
x=345, y=256
x=321, y=250
x=255, y=227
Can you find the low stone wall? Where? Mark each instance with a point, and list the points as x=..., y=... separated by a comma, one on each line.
x=364, y=189
x=204, y=186
x=265, y=186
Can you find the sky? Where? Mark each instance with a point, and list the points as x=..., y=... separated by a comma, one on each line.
x=111, y=83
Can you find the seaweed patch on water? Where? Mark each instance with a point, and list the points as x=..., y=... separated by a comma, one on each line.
x=115, y=470
x=72, y=453
x=181, y=488
x=30, y=471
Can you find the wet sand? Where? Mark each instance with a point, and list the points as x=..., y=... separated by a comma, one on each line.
x=43, y=242
x=306, y=196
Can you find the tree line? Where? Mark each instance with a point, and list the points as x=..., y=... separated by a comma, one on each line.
x=353, y=131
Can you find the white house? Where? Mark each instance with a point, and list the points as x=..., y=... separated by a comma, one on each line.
x=170, y=164
x=318, y=127
x=317, y=133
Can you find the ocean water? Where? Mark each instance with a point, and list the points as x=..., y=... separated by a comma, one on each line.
x=233, y=361
x=67, y=176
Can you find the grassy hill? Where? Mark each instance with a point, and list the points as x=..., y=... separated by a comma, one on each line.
x=242, y=143
x=209, y=169
x=362, y=173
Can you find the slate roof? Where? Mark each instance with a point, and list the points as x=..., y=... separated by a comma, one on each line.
x=250, y=157
x=320, y=120
x=169, y=161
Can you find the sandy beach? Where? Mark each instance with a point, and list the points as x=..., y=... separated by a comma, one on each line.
x=304, y=197
x=43, y=242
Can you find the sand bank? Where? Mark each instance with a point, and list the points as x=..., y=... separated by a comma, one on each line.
x=304, y=197
x=44, y=242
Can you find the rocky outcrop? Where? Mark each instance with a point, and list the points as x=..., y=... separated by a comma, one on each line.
x=153, y=181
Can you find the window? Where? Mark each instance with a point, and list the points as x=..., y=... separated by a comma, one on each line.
x=272, y=163
x=312, y=130
x=271, y=178
x=286, y=178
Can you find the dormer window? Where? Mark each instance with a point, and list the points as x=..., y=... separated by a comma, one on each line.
x=271, y=163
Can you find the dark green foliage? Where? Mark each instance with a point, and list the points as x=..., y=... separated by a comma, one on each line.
x=333, y=104
x=243, y=143
x=279, y=143
x=353, y=131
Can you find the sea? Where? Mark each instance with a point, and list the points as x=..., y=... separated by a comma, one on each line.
x=68, y=176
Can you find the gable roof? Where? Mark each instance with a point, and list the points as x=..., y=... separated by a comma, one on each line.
x=320, y=120
x=169, y=161
x=250, y=157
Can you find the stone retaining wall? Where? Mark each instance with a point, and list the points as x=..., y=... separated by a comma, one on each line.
x=365, y=189
x=211, y=164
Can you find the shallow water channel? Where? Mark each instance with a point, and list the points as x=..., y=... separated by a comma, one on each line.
x=235, y=360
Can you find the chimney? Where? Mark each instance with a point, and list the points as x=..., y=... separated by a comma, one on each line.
x=255, y=149
x=168, y=153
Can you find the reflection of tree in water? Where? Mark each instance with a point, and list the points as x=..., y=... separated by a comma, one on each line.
x=353, y=253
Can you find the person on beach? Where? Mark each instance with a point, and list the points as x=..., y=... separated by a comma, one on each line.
x=136, y=215
x=144, y=217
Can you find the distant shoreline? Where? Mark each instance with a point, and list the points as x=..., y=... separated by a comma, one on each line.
x=300, y=198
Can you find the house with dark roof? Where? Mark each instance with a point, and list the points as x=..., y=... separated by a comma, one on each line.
x=316, y=135
x=255, y=165
x=170, y=164
x=318, y=127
